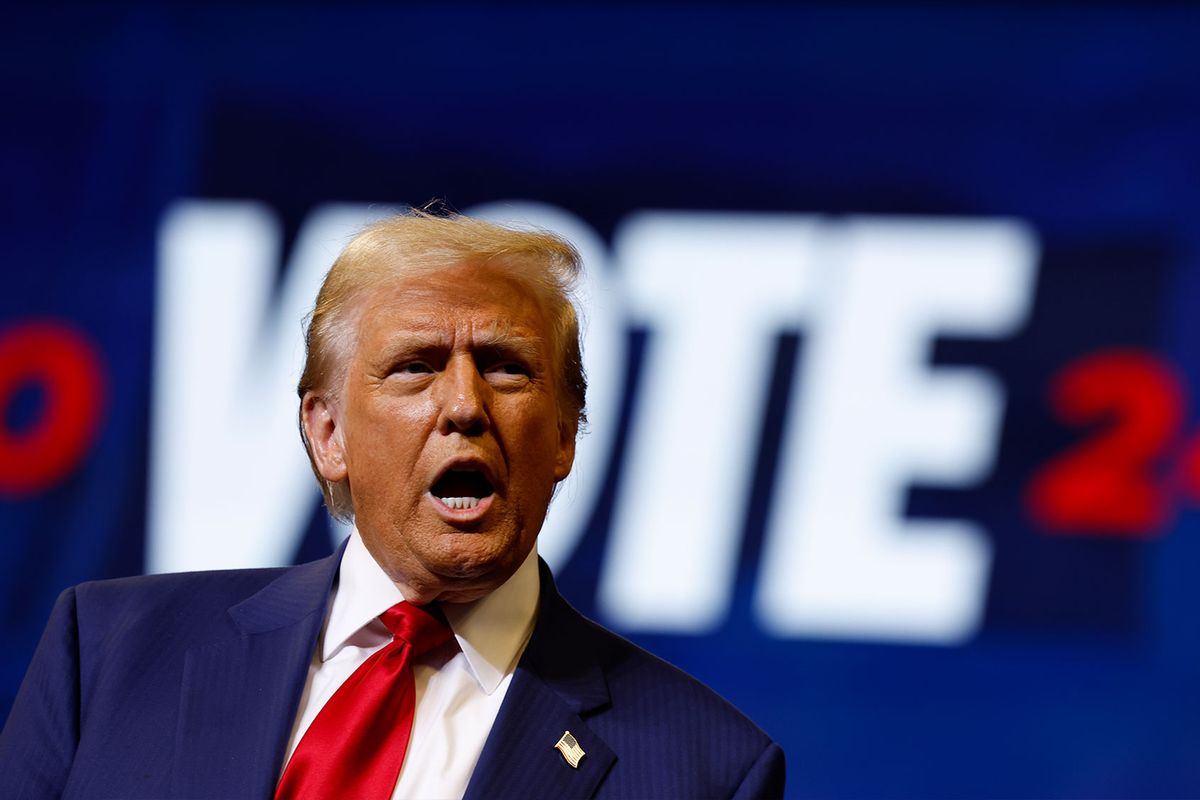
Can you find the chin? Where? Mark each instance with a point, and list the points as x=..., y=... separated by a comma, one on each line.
x=469, y=556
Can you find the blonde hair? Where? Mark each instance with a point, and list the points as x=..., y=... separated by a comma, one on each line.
x=417, y=242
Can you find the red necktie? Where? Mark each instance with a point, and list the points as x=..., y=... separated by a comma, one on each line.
x=354, y=748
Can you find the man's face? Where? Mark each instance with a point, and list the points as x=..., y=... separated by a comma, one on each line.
x=450, y=429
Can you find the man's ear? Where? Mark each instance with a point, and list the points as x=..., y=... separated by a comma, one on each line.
x=320, y=420
x=568, y=428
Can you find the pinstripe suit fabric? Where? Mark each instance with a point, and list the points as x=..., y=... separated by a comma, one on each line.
x=185, y=686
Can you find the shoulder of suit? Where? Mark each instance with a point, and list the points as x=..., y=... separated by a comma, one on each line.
x=641, y=683
x=166, y=606
x=635, y=673
x=184, y=588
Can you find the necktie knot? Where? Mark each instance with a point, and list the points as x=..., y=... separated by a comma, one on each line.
x=424, y=631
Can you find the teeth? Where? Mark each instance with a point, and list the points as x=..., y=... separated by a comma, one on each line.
x=460, y=502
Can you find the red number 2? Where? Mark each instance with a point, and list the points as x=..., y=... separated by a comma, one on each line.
x=1111, y=483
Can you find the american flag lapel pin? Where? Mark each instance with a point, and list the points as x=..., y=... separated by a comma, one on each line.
x=570, y=749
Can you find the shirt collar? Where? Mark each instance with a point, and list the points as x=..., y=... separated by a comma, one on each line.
x=491, y=631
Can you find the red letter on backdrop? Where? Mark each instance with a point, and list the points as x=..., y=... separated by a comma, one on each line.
x=67, y=367
x=1113, y=482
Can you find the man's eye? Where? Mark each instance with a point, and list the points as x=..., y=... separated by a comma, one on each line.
x=509, y=368
x=415, y=368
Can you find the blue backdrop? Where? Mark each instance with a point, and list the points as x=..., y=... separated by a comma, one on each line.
x=1078, y=125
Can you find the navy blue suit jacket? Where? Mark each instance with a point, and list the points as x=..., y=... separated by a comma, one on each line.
x=187, y=685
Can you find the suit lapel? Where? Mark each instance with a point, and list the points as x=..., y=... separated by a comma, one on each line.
x=557, y=683
x=240, y=691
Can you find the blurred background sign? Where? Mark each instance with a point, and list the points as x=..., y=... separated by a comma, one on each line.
x=890, y=326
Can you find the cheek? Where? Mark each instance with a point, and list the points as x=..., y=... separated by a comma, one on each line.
x=387, y=435
x=540, y=448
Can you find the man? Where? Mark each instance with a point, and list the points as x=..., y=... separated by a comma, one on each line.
x=432, y=655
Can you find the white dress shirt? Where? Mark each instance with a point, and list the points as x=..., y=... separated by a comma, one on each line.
x=459, y=687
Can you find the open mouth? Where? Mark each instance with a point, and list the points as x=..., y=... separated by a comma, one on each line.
x=462, y=487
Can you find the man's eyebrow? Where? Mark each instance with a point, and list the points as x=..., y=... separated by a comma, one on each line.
x=500, y=340
x=509, y=342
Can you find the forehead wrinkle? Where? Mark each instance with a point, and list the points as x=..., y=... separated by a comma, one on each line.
x=498, y=335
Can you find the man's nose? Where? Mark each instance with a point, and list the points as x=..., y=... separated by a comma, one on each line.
x=463, y=399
